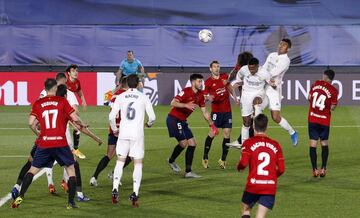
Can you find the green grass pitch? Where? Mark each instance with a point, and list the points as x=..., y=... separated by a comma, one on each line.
x=217, y=194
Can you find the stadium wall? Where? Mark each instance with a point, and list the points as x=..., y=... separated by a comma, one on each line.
x=23, y=88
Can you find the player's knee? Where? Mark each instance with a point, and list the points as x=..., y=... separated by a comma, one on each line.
x=276, y=117
x=257, y=100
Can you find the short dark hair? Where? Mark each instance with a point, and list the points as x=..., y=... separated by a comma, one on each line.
x=195, y=76
x=288, y=41
x=72, y=66
x=214, y=62
x=330, y=73
x=260, y=123
x=49, y=84
x=244, y=58
x=130, y=51
x=253, y=61
x=123, y=81
x=60, y=76
x=61, y=90
x=132, y=81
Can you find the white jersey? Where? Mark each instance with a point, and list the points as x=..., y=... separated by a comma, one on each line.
x=132, y=105
x=252, y=83
x=70, y=97
x=276, y=65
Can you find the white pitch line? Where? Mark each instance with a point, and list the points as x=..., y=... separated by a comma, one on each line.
x=7, y=197
x=13, y=156
x=196, y=127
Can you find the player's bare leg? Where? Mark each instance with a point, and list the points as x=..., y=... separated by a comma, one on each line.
x=137, y=176
x=313, y=157
x=275, y=115
x=25, y=185
x=70, y=170
x=324, y=156
x=176, y=152
x=189, y=156
x=225, y=147
x=261, y=211
x=118, y=171
x=245, y=211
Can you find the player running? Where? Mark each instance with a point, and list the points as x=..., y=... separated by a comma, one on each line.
x=73, y=85
x=182, y=106
x=217, y=90
x=277, y=63
x=323, y=98
x=266, y=163
x=53, y=114
x=112, y=139
x=132, y=105
x=253, y=79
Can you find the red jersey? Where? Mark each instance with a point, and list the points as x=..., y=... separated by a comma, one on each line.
x=218, y=89
x=185, y=96
x=118, y=117
x=322, y=95
x=266, y=164
x=53, y=114
x=73, y=86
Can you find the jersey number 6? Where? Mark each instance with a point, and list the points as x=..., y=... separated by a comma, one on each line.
x=130, y=112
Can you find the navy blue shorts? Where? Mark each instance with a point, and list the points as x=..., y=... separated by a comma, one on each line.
x=178, y=128
x=251, y=199
x=33, y=150
x=45, y=157
x=112, y=140
x=222, y=120
x=318, y=131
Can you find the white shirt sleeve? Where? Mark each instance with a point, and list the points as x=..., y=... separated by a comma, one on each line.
x=149, y=110
x=281, y=66
x=114, y=112
x=239, y=76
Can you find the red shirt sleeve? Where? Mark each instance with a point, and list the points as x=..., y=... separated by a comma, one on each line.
x=245, y=157
x=334, y=98
x=207, y=87
x=280, y=162
x=34, y=111
x=181, y=96
x=79, y=86
x=67, y=108
x=201, y=99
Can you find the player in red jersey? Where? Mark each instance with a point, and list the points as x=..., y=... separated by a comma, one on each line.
x=182, y=106
x=52, y=113
x=217, y=88
x=266, y=163
x=323, y=98
x=112, y=139
x=74, y=86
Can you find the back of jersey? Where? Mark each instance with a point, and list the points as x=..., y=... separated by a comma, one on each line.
x=133, y=105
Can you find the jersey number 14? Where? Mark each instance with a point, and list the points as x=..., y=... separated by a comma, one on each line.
x=318, y=101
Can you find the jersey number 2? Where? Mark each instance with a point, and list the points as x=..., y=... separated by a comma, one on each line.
x=46, y=115
x=318, y=101
x=265, y=158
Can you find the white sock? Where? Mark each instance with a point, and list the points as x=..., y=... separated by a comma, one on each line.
x=137, y=175
x=258, y=110
x=118, y=171
x=244, y=133
x=17, y=187
x=80, y=194
x=65, y=176
x=285, y=125
x=49, y=173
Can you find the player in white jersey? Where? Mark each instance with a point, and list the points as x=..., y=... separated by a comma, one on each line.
x=277, y=63
x=132, y=105
x=253, y=79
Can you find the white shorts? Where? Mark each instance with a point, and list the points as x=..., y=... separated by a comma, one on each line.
x=131, y=147
x=69, y=137
x=273, y=99
x=71, y=98
x=247, y=99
